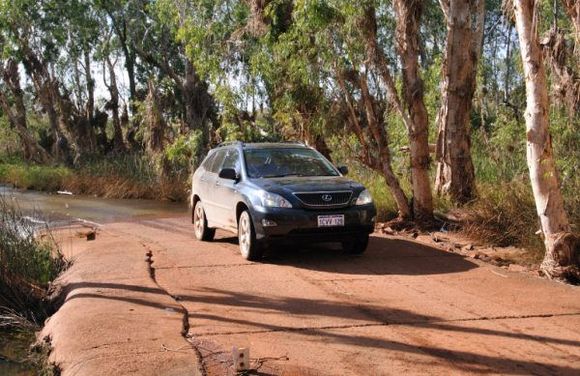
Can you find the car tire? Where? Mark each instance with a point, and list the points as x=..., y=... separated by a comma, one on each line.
x=250, y=249
x=356, y=246
x=200, y=229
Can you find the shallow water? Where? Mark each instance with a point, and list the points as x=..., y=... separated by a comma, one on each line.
x=56, y=209
x=13, y=350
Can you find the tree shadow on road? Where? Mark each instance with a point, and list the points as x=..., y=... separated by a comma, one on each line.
x=354, y=324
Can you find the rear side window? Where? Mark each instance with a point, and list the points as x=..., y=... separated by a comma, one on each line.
x=232, y=160
x=206, y=165
x=217, y=161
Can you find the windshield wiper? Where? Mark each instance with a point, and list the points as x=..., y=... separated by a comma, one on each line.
x=283, y=176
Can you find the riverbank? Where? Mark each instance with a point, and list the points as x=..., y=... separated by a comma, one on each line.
x=128, y=177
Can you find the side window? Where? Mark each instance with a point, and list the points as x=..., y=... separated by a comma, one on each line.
x=217, y=161
x=232, y=160
x=206, y=164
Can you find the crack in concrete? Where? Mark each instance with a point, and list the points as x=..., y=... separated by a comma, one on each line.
x=383, y=324
x=185, y=313
x=207, y=266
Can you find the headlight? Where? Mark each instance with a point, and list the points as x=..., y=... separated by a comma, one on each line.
x=272, y=200
x=364, y=198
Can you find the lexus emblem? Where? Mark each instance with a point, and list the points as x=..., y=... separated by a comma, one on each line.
x=326, y=198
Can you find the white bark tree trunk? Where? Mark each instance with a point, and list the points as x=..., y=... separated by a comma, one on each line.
x=561, y=255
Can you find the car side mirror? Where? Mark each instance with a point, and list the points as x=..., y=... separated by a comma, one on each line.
x=343, y=170
x=228, y=173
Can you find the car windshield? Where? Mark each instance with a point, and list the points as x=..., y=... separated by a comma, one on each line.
x=282, y=162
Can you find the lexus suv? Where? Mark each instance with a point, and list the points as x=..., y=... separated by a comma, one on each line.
x=268, y=193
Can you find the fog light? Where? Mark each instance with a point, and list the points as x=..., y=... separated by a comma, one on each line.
x=268, y=223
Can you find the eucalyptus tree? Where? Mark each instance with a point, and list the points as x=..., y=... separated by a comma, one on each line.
x=160, y=44
x=343, y=36
x=410, y=107
x=561, y=259
x=330, y=63
x=12, y=105
x=51, y=40
x=455, y=171
x=23, y=41
x=408, y=24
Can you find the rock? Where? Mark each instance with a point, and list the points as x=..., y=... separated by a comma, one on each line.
x=473, y=255
x=468, y=247
x=517, y=268
x=484, y=257
x=388, y=230
x=438, y=238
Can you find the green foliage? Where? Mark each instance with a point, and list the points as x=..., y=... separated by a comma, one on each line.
x=10, y=146
x=183, y=153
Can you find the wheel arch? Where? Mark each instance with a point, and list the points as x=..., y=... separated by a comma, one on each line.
x=240, y=207
x=194, y=200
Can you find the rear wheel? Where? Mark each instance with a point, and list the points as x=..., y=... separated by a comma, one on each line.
x=201, y=231
x=357, y=245
x=249, y=247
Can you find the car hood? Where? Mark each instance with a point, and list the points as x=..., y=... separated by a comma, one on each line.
x=290, y=185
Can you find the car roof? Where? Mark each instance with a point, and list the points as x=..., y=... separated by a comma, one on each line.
x=263, y=145
x=271, y=145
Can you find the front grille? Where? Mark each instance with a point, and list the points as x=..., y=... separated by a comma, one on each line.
x=324, y=199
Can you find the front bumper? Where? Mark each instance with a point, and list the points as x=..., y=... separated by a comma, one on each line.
x=295, y=224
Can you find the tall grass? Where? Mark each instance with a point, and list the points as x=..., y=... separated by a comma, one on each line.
x=126, y=176
x=41, y=178
x=27, y=266
x=130, y=176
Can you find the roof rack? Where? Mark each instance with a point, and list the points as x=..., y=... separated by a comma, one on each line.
x=226, y=143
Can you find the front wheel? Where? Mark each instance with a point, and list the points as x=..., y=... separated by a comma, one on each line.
x=249, y=247
x=357, y=245
x=201, y=231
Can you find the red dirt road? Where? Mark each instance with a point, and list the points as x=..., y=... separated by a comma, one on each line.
x=402, y=307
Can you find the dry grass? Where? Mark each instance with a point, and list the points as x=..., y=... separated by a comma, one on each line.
x=133, y=176
x=27, y=266
x=505, y=215
x=116, y=186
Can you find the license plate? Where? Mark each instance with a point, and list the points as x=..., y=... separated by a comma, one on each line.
x=331, y=220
